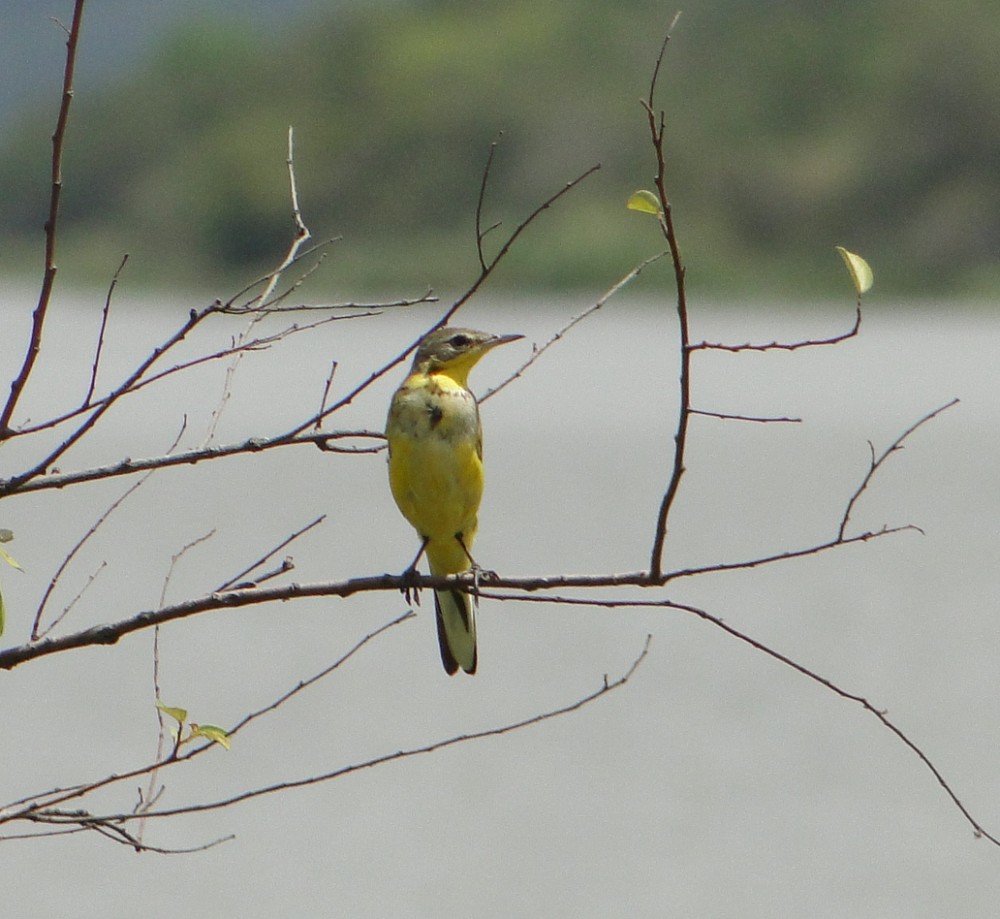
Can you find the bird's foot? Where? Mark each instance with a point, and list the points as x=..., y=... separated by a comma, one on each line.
x=481, y=576
x=484, y=575
x=411, y=587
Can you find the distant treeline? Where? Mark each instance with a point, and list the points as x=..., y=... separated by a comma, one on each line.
x=793, y=126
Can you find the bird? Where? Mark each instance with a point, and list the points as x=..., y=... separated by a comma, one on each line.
x=435, y=440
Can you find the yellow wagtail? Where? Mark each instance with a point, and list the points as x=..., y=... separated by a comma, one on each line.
x=436, y=471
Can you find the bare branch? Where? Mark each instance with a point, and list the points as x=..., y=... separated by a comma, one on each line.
x=480, y=232
x=301, y=235
x=656, y=129
x=108, y=827
x=18, y=482
x=129, y=466
x=30, y=805
x=454, y=308
x=254, y=344
x=236, y=581
x=488, y=268
x=659, y=58
x=110, y=633
x=727, y=416
x=36, y=630
x=897, y=444
x=607, y=686
x=783, y=659
x=818, y=549
x=104, y=325
x=790, y=346
x=369, y=309
x=256, y=303
x=51, y=226
x=326, y=671
x=538, y=352
x=326, y=394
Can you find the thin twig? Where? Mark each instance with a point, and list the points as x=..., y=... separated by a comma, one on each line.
x=51, y=227
x=129, y=466
x=593, y=308
x=300, y=238
x=480, y=232
x=111, y=633
x=728, y=416
x=366, y=309
x=659, y=58
x=326, y=671
x=100, y=336
x=823, y=681
x=301, y=235
x=491, y=265
x=787, y=346
x=76, y=599
x=326, y=394
x=18, y=482
x=237, y=578
x=454, y=308
x=255, y=303
x=36, y=631
x=607, y=686
x=897, y=444
x=151, y=795
x=27, y=806
x=262, y=343
x=656, y=127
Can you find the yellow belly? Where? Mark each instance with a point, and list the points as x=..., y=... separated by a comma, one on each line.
x=435, y=466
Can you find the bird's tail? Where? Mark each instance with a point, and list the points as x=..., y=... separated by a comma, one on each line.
x=456, y=627
x=456, y=616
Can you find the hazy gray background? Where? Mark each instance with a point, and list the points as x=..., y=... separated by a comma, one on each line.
x=717, y=783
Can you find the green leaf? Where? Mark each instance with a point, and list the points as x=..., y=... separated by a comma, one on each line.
x=10, y=561
x=645, y=202
x=211, y=732
x=6, y=535
x=859, y=269
x=178, y=714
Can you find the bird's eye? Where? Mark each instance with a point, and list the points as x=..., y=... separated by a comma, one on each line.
x=458, y=341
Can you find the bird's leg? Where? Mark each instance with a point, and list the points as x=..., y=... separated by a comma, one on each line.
x=412, y=576
x=477, y=572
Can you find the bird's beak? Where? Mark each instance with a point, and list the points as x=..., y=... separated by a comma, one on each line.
x=504, y=339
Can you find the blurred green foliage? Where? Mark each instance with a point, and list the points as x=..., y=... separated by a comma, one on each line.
x=793, y=125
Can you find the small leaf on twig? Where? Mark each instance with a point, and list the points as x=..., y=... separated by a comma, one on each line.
x=211, y=732
x=178, y=714
x=9, y=560
x=859, y=269
x=645, y=202
x=6, y=536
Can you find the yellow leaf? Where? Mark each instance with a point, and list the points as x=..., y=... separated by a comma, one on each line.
x=178, y=714
x=10, y=561
x=859, y=269
x=645, y=202
x=211, y=732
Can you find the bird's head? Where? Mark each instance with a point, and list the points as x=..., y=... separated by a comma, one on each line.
x=455, y=351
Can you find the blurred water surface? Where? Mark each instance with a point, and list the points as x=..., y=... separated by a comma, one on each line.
x=717, y=783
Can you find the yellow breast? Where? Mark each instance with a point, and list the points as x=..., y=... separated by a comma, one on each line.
x=435, y=459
